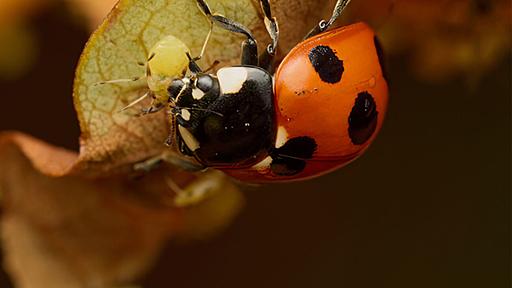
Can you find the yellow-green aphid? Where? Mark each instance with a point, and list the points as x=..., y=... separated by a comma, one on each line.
x=167, y=61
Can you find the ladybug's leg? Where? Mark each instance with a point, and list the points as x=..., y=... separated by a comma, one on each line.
x=192, y=65
x=212, y=66
x=171, y=156
x=148, y=165
x=153, y=163
x=324, y=25
x=206, y=40
x=249, y=46
x=267, y=57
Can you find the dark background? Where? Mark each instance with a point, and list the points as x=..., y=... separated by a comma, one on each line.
x=427, y=206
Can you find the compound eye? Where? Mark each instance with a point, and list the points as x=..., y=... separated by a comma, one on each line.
x=205, y=83
x=175, y=88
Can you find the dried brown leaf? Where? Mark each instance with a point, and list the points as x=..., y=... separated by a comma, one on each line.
x=71, y=231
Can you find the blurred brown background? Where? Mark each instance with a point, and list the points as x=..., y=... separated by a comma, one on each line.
x=427, y=206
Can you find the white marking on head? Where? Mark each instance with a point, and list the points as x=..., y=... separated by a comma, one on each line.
x=263, y=165
x=188, y=138
x=185, y=114
x=232, y=79
x=281, y=137
x=197, y=93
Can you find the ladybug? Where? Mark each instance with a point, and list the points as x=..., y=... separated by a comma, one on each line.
x=319, y=111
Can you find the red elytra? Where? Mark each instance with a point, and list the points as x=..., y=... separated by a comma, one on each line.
x=326, y=116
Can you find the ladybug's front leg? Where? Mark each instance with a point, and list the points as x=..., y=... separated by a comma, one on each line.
x=249, y=46
x=267, y=58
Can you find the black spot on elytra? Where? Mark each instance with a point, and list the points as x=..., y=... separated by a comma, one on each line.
x=380, y=55
x=328, y=66
x=290, y=159
x=363, y=118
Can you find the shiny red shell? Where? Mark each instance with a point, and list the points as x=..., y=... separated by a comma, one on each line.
x=313, y=103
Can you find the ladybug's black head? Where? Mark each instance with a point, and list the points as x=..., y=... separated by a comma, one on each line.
x=195, y=87
x=190, y=98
